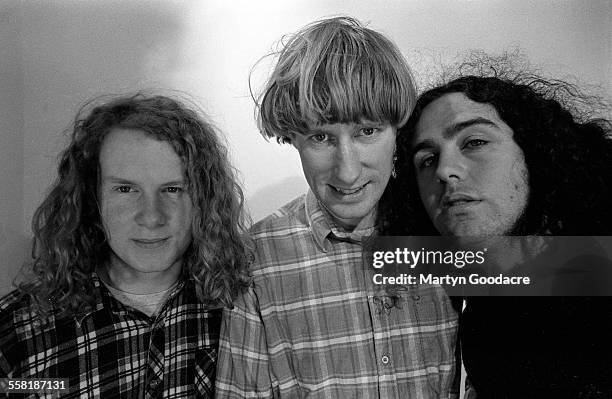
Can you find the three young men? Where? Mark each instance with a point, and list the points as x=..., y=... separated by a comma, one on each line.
x=138, y=244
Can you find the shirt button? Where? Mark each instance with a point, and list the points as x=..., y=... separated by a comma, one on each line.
x=385, y=359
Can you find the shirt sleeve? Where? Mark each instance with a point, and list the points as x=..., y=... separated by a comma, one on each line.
x=6, y=342
x=9, y=350
x=243, y=365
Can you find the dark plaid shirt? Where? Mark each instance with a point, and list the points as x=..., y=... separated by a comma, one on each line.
x=114, y=350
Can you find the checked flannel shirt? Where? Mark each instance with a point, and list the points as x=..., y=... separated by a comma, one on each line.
x=115, y=351
x=315, y=326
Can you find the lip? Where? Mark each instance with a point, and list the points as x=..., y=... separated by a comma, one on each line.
x=150, y=243
x=459, y=200
x=347, y=192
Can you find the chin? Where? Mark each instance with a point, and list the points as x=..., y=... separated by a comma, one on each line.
x=353, y=218
x=464, y=230
x=152, y=265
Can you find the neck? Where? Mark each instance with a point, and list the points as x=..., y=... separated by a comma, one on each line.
x=351, y=225
x=508, y=252
x=363, y=224
x=127, y=279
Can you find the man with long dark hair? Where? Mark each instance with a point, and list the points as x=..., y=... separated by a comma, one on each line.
x=486, y=156
x=137, y=247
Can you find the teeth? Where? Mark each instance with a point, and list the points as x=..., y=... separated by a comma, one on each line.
x=347, y=192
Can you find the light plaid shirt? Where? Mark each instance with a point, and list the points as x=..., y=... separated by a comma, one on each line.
x=314, y=324
x=115, y=351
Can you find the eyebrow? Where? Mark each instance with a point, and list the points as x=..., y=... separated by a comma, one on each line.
x=453, y=130
x=121, y=180
x=314, y=130
x=361, y=123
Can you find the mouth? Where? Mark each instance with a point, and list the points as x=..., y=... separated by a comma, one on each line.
x=150, y=243
x=458, y=201
x=348, y=191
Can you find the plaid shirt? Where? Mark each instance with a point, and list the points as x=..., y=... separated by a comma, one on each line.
x=314, y=324
x=114, y=350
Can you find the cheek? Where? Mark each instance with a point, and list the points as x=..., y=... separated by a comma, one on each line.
x=519, y=180
x=385, y=164
x=115, y=216
x=520, y=189
x=427, y=195
x=187, y=217
x=382, y=155
x=315, y=167
x=182, y=215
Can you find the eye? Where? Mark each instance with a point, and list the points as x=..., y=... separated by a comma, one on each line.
x=426, y=161
x=174, y=189
x=369, y=131
x=475, y=143
x=124, y=189
x=319, y=138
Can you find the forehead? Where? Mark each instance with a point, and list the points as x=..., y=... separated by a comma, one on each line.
x=133, y=154
x=452, y=109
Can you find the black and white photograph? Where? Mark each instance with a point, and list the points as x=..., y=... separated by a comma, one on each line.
x=193, y=192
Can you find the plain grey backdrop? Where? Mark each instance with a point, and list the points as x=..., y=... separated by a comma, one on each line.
x=56, y=54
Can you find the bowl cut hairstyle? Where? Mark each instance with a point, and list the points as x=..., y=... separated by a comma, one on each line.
x=335, y=71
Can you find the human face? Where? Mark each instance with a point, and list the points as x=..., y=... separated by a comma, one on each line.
x=347, y=166
x=471, y=174
x=145, y=207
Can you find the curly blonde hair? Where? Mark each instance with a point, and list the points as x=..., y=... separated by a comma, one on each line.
x=69, y=239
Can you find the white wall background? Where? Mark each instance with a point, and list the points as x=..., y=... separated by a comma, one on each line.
x=54, y=55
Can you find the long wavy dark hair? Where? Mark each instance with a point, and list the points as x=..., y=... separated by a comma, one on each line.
x=568, y=153
x=69, y=239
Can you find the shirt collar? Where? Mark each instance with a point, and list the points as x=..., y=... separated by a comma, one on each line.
x=325, y=228
x=103, y=298
x=98, y=293
x=318, y=221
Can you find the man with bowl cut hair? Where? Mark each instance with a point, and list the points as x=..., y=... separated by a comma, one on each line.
x=313, y=324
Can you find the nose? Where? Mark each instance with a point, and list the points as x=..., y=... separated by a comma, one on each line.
x=451, y=168
x=151, y=212
x=347, y=163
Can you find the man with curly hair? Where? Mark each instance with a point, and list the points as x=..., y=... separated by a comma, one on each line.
x=314, y=325
x=137, y=247
x=514, y=155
